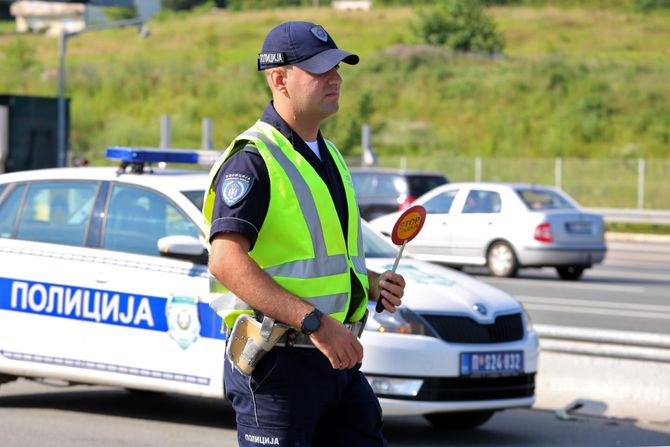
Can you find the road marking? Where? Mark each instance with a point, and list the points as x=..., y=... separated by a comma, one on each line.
x=565, y=284
x=568, y=305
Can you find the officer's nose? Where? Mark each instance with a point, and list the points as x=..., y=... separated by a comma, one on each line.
x=334, y=77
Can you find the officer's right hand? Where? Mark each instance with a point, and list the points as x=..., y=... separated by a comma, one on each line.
x=337, y=343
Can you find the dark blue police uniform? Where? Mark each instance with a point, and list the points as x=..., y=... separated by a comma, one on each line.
x=294, y=397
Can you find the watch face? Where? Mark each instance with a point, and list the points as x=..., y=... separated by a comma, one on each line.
x=311, y=323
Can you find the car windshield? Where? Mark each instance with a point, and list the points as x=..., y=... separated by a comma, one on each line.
x=197, y=197
x=376, y=246
x=543, y=199
x=421, y=184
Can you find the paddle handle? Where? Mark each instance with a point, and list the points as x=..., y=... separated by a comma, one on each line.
x=380, y=306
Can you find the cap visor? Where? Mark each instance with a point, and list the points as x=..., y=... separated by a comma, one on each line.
x=324, y=61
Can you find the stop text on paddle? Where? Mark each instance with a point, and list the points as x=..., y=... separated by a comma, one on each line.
x=405, y=229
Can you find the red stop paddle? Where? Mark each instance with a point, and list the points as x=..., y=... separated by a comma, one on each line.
x=405, y=229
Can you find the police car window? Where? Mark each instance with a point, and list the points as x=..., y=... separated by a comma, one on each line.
x=2, y=189
x=441, y=203
x=138, y=217
x=9, y=209
x=57, y=212
x=196, y=197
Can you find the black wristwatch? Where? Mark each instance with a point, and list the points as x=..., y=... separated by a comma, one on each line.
x=311, y=322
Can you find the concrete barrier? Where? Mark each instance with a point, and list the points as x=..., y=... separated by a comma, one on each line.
x=608, y=373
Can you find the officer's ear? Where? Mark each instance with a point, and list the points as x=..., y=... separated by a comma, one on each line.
x=277, y=78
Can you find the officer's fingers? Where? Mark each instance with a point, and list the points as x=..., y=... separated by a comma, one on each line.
x=354, y=355
x=390, y=298
x=391, y=303
x=349, y=353
x=393, y=277
x=358, y=349
x=349, y=356
x=389, y=286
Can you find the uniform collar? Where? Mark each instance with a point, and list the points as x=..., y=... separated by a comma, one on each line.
x=271, y=117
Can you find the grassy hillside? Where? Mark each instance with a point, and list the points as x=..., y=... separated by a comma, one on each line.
x=571, y=82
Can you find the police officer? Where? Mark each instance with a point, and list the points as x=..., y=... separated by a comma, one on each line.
x=286, y=244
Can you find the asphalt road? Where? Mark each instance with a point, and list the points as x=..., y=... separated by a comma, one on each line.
x=32, y=415
x=630, y=291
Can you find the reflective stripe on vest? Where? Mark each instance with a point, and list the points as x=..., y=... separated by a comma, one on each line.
x=320, y=267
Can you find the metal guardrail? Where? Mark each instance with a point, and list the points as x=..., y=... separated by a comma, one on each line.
x=652, y=217
x=604, y=343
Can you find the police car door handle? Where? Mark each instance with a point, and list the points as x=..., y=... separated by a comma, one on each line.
x=101, y=278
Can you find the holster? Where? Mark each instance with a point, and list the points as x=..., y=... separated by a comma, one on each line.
x=250, y=340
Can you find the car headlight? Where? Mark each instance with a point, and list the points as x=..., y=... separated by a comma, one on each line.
x=403, y=321
x=527, y=319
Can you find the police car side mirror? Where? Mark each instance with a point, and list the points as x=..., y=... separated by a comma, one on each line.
x=183, y=247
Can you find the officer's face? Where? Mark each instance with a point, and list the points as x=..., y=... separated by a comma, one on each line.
x=314, y=96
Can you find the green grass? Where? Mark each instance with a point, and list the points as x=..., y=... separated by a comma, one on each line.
x=7, y=27
x=637, y=228
x=575, y=82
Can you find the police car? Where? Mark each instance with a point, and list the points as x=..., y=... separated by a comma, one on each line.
x=104, y=274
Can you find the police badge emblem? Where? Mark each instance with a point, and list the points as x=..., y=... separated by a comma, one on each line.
x=235, y=187
x=320, y=33
x=182, y=318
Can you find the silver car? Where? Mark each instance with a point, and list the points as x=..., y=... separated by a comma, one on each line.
x=505, y=226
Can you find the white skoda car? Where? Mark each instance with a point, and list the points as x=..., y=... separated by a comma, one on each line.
x=506, y=226
x=103, y=278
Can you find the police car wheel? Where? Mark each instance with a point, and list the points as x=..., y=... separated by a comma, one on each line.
x=459, y=421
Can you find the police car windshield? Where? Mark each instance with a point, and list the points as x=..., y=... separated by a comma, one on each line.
x=196, y=197
x=376, y=246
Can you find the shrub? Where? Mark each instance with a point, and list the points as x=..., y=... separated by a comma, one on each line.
x=650, y=5
x=120, y=13
x=269, y=4
x=460, y=25
x=181, y=5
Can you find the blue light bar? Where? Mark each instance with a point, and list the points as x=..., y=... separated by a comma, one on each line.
x=151, y=155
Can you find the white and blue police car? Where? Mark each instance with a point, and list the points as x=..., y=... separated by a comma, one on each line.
x=104, y=271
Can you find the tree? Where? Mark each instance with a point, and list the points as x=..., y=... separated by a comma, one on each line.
x=458, y=24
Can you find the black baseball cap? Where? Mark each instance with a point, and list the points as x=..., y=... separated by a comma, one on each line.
x=303, y=44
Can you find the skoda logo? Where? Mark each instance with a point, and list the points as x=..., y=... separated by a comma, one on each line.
x=479, y=307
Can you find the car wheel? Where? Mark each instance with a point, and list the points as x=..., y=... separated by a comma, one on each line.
x=466, y=420
x=570, y=272
x=501, y=260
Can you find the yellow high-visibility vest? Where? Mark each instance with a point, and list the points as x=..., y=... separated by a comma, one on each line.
x=300, y=245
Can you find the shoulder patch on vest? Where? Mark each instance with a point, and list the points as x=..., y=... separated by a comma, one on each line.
x=235, y=187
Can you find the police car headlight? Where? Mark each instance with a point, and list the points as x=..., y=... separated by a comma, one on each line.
x=403, y=321
x=527, y=319
x=395, y=386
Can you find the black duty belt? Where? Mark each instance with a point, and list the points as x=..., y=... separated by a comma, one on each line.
x=293, y=338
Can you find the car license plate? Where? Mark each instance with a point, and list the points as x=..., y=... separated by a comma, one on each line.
x=483, y=363
x=578, y=227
